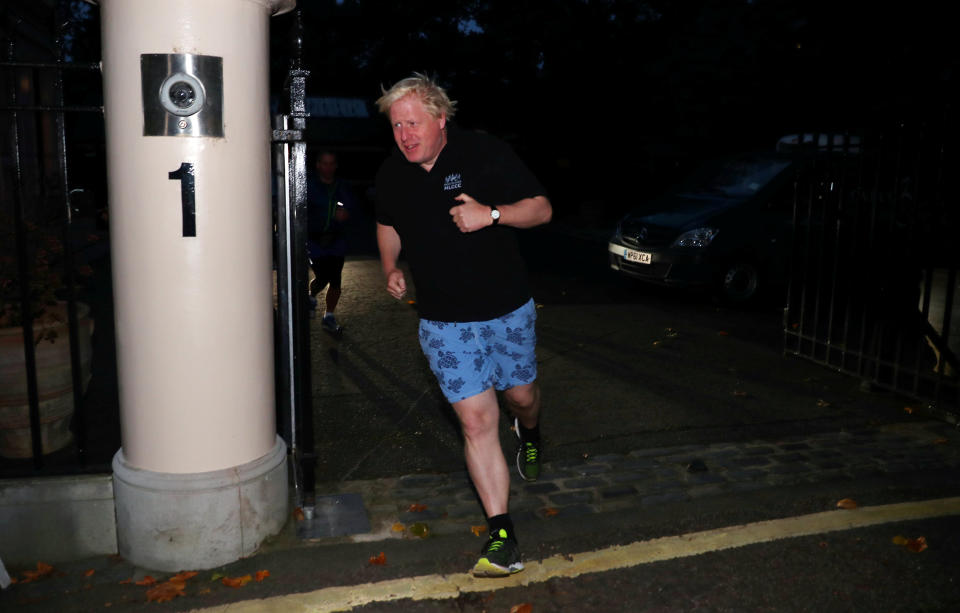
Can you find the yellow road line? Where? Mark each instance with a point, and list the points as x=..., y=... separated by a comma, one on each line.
x=436, y=587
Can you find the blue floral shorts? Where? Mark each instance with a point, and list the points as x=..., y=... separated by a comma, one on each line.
x=468, y=358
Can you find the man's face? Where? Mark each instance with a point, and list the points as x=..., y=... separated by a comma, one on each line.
x=419, y=134
x=327, y=167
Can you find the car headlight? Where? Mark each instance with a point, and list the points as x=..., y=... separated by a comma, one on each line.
x=698, y=237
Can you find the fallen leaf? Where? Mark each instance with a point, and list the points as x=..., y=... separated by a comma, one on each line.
x=847, y=503
x=940, y=441
x=261, y=575
x=586, y=455
x=550, y=512
x=380, y=560
x=126, y=581
x=217, y=576
x=899, y=540
x=183, y=576
x=908, y=409
x=298, y=514
x=419, y=529
x=148, y=580
x=89, y=573
x=205, y=590
x=478, y=530
x=166, y=591
x=522, y=608
x=916, y=545
x=43, y=570
x=398, y=527
x=411, y=302
x=822, y=403
x=417, y=508
x=236, y=581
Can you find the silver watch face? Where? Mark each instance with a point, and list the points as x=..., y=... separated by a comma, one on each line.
x=494, y=213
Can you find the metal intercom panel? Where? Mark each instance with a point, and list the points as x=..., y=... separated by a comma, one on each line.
x=182, y=94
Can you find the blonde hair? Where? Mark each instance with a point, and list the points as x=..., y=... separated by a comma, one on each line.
x=434, y=98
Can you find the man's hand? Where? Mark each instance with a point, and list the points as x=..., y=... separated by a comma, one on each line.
x=470, y=215
x=396, y=284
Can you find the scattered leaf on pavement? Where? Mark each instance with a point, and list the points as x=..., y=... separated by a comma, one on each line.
x=417, y=508
x=43, y=570
x=298, y=514
x=522, y=608
x=915, y=545
x=380, y=560
x=217, y=576
x=550, y=512
x=398, y=527
x=419, y=529
x=183, y=576
x=166, y=591
x=236, y=581
x=847, y=503
x=478, y=530
x=260, y=575
x=411, y=302
x=89, y=572
x=908, y=409
x=148, y=580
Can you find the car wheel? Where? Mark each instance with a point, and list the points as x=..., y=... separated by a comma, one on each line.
x=740, y=283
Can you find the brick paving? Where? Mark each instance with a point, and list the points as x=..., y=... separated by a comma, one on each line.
x=645, y=477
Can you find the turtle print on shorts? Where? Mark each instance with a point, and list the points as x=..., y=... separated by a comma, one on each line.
x=470, y=357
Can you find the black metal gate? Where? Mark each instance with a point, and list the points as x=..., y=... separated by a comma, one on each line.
x=875, y=277
x=52, y=240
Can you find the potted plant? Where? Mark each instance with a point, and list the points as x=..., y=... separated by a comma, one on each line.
x=47, y=315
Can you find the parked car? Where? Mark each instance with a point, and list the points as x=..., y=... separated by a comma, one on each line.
x=723, y=229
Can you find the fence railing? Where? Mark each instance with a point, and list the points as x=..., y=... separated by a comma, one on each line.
x=874, y=288
x=53, y=238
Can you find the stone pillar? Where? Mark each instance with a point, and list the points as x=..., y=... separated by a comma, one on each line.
x=200, y=478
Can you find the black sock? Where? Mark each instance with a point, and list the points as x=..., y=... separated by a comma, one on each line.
x=503, y=521
x=529, y=435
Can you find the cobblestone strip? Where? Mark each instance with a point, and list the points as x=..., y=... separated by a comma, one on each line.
x=601, y=483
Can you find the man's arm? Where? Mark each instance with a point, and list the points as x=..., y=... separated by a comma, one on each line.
x=389, y=243
x=471, y=215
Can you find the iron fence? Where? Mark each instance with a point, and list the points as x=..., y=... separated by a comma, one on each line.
x=53, y=240
x=874, y=285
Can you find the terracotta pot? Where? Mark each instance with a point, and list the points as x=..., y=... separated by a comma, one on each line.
x=54, y=385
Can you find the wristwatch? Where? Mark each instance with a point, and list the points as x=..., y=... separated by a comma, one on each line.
x=494, y=215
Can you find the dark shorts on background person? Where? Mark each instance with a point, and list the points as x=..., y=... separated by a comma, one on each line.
x=327, y=269
x=470, y=357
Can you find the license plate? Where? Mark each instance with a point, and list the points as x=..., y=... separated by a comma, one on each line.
x=640, y=257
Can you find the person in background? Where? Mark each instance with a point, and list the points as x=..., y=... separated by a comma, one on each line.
x=452, y=201
x=330, y=202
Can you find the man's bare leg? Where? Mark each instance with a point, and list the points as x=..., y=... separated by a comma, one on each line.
x=480, y=418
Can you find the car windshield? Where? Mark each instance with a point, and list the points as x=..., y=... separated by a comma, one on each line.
x=737, y=178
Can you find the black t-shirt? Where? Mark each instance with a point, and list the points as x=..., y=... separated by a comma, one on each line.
x=473, y=276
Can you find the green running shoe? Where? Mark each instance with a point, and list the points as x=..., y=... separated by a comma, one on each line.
x=500, y=557
x=528, y=456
